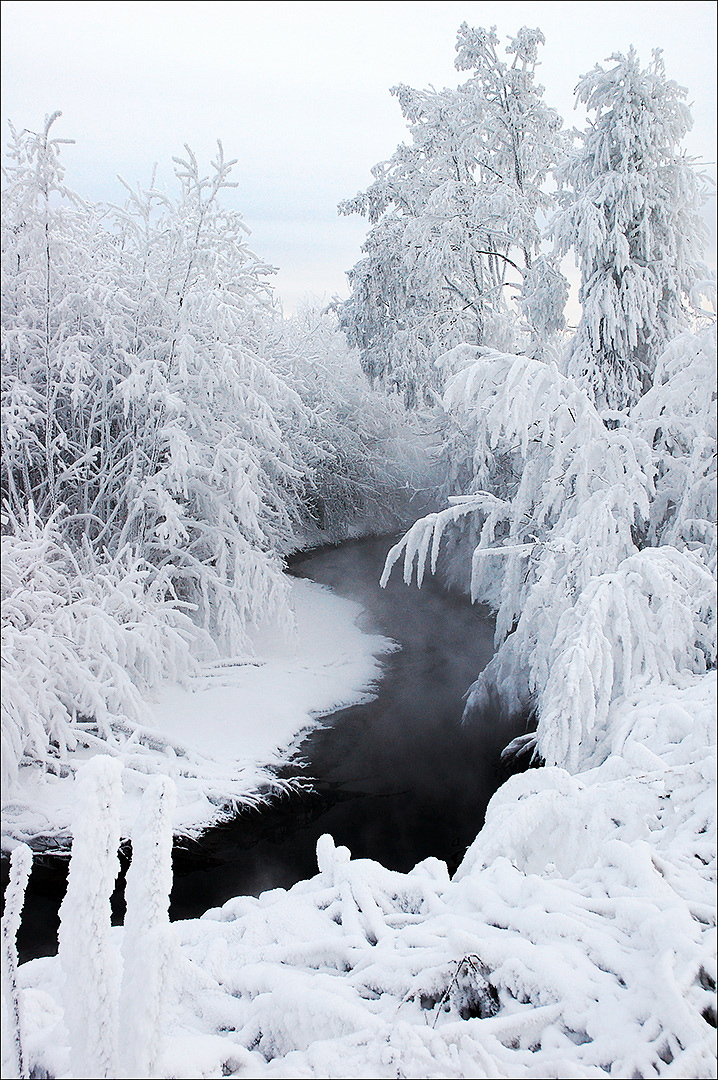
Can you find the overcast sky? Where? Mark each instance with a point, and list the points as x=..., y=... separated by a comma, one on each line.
x=299, y=93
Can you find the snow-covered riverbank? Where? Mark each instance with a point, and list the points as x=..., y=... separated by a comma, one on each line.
x=219, y=735
x=576, y=940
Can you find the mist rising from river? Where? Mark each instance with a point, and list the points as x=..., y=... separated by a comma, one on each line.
x=396, y=779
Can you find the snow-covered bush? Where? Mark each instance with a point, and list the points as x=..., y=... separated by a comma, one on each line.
x=167, y=439
x=82, y=639
x=137, y=390
x=367, y=455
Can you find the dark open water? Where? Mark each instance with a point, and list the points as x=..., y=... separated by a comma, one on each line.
x=397, y=779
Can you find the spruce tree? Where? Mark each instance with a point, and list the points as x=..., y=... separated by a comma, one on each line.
x=632, y=214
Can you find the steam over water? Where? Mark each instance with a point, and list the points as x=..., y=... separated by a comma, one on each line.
x=397, y=779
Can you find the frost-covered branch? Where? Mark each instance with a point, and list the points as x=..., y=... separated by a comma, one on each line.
x=550, y=532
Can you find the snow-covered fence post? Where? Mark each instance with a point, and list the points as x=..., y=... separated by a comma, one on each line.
x=14, y=1064
x=86, y=954
x=147, y=943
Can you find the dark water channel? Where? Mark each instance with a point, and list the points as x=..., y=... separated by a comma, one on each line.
x=396, y=779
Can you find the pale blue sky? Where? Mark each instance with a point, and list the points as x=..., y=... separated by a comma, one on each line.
x=299, y=93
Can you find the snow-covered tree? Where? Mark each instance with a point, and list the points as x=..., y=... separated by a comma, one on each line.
x=552, y=532
x=559, y=512
x=138, y=395
x=53, y=299
x=631, y=214
x=166, y=439
x=365, y=453
x=453, y=218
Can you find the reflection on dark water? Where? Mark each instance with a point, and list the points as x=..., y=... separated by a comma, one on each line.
x=396, y=779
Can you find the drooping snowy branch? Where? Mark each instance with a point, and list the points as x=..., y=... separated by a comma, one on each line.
x=556, y=509
x=651, y=621
x=678, y=418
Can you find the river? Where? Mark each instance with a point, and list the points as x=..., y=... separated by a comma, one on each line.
x=396, y=779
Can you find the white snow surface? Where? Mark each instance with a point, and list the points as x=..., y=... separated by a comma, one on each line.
x=218, y=735
x=577, y=939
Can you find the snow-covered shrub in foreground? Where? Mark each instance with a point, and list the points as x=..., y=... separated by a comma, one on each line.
x=87, y=955
x=112, y=1015
x=147, y=943
x=13, y=1048
x=555, y=510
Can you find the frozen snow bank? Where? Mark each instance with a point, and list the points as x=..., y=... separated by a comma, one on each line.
x=576, y=940
x=218, y=735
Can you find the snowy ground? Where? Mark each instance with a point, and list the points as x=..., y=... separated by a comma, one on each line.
x=219, y=735
x=577, y=939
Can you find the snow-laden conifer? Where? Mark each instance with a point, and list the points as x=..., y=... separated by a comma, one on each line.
x=632, y=216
